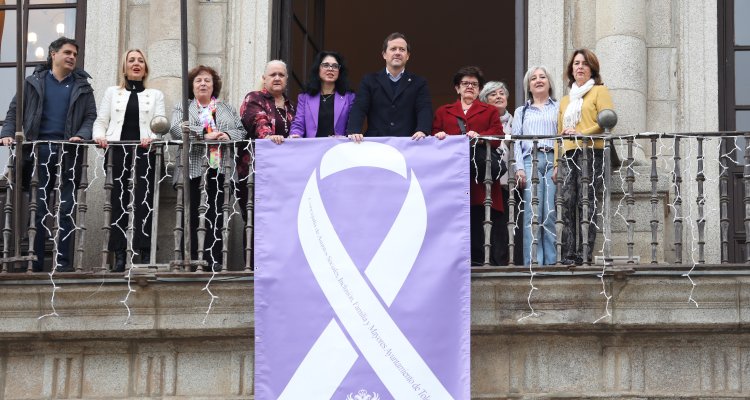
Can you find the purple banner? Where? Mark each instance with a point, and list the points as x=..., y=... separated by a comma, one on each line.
x=362, y=287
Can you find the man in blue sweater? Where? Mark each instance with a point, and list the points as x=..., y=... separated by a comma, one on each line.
x=59, y=106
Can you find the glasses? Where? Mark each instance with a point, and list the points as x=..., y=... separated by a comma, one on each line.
x=334, y=66
x=468, y=84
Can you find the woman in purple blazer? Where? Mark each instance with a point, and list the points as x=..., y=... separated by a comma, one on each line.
x=323, y=109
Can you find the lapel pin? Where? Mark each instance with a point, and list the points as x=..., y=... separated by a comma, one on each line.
x=409, y=80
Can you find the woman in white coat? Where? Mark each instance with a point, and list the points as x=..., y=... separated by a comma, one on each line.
x=125, y=113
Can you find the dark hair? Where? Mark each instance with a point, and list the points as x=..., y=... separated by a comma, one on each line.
x=394, y=36
x=469, y=71
x=214, y=75
x=56, y=46
x=593, y=62
x=313, y=81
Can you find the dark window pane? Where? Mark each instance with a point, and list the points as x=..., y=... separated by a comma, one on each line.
x=8, y=77
x=742, y=77
x=52, y=1
x=743, y=125
x=47, y=25
x=741, y=27
x=7, y=36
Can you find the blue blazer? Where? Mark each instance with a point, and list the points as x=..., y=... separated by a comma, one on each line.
x=305, y=122
x=389, y=112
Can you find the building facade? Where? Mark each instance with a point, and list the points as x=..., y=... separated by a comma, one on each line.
x=672, y=66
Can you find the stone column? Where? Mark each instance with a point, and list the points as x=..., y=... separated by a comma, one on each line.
x=621, y=49
x=164, y=47
x=546, y=40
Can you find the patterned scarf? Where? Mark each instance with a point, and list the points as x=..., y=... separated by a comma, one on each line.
x=207, y=118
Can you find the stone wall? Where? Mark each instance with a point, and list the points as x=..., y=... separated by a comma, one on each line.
x=655, y=344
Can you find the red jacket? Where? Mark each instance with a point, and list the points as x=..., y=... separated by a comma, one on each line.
x=483, y=119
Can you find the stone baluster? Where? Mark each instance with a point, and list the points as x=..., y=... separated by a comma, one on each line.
x=159, y=149
x=746, y=181
x=179, y=214
x=654, y=201
x=487, y=201
x=607, y=120
x=131, y=206
x=534, y=207
x=585, y=203
x=10, y=189
x=558, y=202
x=56, y=208
x=630, y=200
x=227, y=206
x=250, y=209
x=202, y=209
x=724, y=205
x=107, y=227
x=701, y=201
x=677, y=203
x=82, y=207
x=511, y=202
x=34, y=184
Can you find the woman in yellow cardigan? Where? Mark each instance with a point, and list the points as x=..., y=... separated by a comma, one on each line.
x=577, y=116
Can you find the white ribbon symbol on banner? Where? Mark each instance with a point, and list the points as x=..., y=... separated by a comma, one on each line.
x=388, y=351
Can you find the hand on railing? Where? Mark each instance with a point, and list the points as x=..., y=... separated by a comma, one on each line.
x=6, y=141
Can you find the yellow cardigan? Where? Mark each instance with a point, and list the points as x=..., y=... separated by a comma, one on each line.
x=595, y=100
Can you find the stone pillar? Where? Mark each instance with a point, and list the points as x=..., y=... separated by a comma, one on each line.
x=164, y=47
x=546, y=41
x=621, y=49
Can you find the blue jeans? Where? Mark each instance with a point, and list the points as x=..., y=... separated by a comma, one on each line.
x=546, y=252
x=50, y=168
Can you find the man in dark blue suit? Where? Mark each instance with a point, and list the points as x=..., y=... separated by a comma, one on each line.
x=395, y=102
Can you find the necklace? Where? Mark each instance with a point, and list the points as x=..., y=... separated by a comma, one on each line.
x=283, y=118
x=325, y=97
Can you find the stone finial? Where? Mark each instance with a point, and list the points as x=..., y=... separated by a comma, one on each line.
x=607, y=119
x=160, y=124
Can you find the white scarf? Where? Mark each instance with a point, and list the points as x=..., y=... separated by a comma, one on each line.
x=573, y=111
x=506, y=120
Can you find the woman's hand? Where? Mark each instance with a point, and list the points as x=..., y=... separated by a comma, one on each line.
x=102, y=142
x=472, y=134
x=145, y=142
x=216, y=136
x=554, y=175
x=569, y=131
x=278, y=139
x=356, y=137
x=441, y=135
x=521, y=178
x=295, y=136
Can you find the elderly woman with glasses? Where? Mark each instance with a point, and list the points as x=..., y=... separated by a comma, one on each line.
x=323, y=109
x=538, y=116
x=473, y=118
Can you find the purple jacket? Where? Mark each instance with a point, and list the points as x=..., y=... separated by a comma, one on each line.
x=305, y=122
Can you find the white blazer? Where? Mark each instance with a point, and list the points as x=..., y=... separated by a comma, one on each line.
x=111, y=113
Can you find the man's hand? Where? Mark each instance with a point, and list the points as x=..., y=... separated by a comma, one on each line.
x=75, y=139
x=6, y=141
x=418, y=135
x=356, y=137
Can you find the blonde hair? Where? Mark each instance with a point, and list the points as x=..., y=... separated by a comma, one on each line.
x=527, y=77
x=124, y=63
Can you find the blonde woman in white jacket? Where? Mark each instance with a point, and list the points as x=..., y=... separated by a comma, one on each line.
x=125, y=113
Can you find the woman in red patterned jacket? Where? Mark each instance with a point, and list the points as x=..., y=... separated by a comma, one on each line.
x=266, y=114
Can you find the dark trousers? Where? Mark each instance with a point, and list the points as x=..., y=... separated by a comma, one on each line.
x=56, y=179
x=214, y=216
x=571, y=168
x=476, y=224
x=143, y=181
